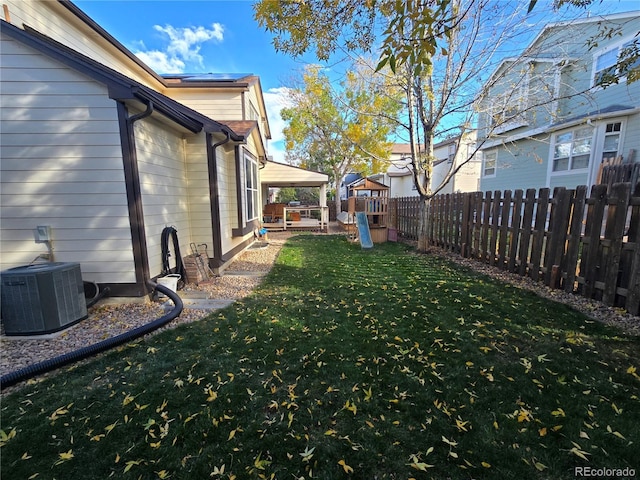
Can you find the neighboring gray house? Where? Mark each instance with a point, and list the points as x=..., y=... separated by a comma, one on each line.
x=543, y=120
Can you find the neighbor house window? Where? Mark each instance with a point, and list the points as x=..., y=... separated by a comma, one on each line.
x=251, y=181
x=606, y=63
x=489, y=168
x=452, y=153
x=572, y=150
x=611, y=145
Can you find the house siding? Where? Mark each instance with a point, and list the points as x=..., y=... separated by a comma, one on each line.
x=522, y=165
x=199, y=192
x=163, y=185
x=56, y=21
x=61, y=166
x=218, y=104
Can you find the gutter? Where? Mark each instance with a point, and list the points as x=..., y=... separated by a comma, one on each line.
x=134, y=193
x=214, y=196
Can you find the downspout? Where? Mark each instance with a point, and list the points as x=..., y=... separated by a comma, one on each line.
x=134, y=198
x=216, y=261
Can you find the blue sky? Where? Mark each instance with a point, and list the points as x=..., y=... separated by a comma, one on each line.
x=221, y=36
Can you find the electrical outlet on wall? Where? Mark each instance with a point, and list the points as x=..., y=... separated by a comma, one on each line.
x=42, y=233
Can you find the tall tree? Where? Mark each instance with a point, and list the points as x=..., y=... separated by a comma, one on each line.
x=442, y=52
x=340, y=130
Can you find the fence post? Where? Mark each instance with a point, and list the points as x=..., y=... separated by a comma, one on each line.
x=595, y=214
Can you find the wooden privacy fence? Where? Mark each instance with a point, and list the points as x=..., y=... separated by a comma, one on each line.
x=584, y=245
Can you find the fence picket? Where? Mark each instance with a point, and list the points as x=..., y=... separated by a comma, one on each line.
x=614, y=231
x=514, y=235
x=595, y=213
x=575, y=236
x=527, y=230
x=495, y=219
x=504, y=228
x=559, y=224
x=537, y=248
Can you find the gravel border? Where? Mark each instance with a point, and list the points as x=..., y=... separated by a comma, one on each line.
x=239, y=280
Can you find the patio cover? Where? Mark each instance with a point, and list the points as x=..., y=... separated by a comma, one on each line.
x=276, y=174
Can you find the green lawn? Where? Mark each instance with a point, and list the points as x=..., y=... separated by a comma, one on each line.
x=345, y=363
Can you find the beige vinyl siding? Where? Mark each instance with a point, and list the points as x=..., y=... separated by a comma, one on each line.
x=62, y=167
x=57, y=22
x=198, y=192
x=214, y=103
x=163, y=184
x=228, y=198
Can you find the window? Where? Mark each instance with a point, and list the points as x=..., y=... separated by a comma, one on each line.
x=452, y=153
x=611, y=143
x=612, y=65
x=572, y=150
x=507, y=109
x=489, y=168
x=251, y=181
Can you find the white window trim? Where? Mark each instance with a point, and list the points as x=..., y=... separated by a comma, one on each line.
x=495, y=166
x=615, y=46
x=255, y=189
x=576, y=171
x=518, y=99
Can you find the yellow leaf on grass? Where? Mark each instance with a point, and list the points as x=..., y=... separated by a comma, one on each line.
x=579, y=453
x=232, y=434
x=345, y=467
x=539, y=466
x=461, y=426
x=543, y=431
x=5, y=437
x=421, y=466
x=65, y=456
x=485, y=464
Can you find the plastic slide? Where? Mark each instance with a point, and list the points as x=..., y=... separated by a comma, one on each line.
x=363, y=230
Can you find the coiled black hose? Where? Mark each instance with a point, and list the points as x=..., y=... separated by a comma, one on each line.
x=71, y=357
x=97, y=296
x=164, y=248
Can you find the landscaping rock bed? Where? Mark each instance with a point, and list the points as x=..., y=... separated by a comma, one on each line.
x=108, y=319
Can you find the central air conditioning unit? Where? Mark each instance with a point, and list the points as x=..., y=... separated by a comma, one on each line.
x=42, y=298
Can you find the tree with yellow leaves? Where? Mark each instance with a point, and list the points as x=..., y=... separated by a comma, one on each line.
x=340, y=130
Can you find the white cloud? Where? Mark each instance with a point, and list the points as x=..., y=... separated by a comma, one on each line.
x=275, y=99
x=161, y=62
x=184, y=46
